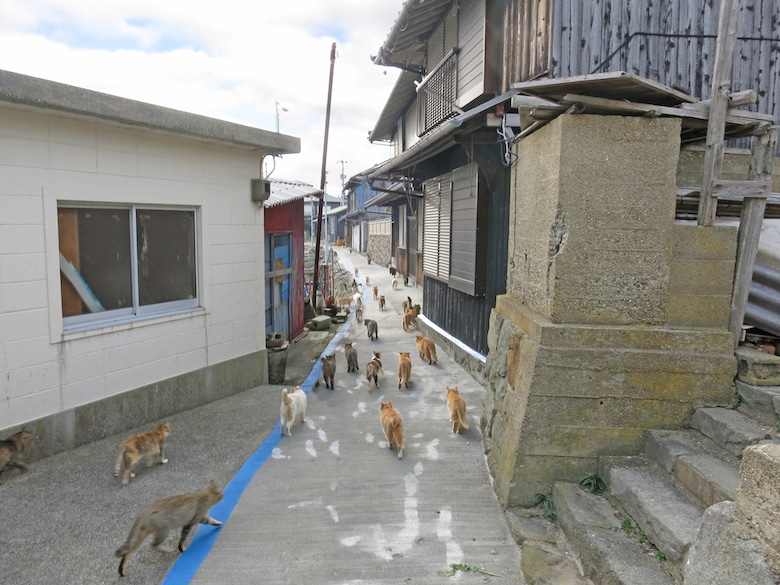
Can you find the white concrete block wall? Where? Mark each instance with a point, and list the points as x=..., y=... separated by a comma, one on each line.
x=47, y=158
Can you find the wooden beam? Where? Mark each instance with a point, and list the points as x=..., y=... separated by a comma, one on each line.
x=750, y=230
x=742, y=189
x=721, y=83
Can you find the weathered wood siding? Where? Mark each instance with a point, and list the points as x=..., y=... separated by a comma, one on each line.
x=670, y=41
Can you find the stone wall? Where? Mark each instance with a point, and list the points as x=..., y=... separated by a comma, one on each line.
x=380, y=242
x=616, y=317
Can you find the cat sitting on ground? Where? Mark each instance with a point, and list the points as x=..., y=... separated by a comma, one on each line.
x=293, y=408
x=148, y=446
x=427, y=349
x=166, y=514
x=404, y=369
x=372, y=329
x=352, y=358
x=457, y=407
x=393, y=426
x=12, y=450
x=372, y=370
x=328, y=370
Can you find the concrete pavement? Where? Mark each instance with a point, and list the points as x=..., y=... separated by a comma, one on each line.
x=331, y=504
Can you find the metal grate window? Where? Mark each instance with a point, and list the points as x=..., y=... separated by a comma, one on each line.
x=437, y=93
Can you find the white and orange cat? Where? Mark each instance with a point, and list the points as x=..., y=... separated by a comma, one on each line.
x=293, y=408
x=166, y=514
x=457, y=407
x=427, y=349
x=373, y=368
x=404, y=369
x=148, y=446
x=393, y=426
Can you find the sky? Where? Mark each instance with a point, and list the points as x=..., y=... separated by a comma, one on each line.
x=232, y=60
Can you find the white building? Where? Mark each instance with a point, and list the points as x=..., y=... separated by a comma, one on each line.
x=131, y=260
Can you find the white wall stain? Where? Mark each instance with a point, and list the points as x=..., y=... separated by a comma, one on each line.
x=310, y=448
x=334, y=448
x=277, y=454
x=370, y=437
x=430, y=451
x=322, y=435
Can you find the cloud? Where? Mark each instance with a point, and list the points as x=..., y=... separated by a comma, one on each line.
x=230, y=60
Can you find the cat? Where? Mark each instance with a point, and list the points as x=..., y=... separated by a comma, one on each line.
x=381, y=302
x=407, y=304
x=12, y=450
x=393, y=427
x=141, y=446
x=376, y=292
x=293, y=407
x=404, y=369
x=352, y=359
x=372, y=370
x=394, y=283
x=344, y=302
x=357, y=298
x=166, y=514
x=356, y=271
x=328, y=370
x=359, y=313
x=372, y=329
x=457, y=407
x=427, y=349
x=410, y=317
x=368, y=281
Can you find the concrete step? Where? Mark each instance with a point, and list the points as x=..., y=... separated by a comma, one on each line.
x=608, y=555
x=665, y=514
x=757, y=368
x=761, y=403
x=708, y=472
x=730, y=429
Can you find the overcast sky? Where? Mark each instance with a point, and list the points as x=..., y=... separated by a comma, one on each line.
x=229, y=59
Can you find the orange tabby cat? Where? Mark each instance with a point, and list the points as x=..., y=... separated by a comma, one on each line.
x=457, y=407
x=381, y=302
x=404, y=369
x=140, y=446
x=410, y=317
x=427, y=349
x=393, y=427
x=166, y=514
x=12, y=450
x=376, y=292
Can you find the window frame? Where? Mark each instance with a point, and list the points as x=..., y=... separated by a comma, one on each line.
x=137, y=311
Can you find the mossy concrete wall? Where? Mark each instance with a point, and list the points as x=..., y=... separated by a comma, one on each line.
x=616, y=317
x=149, y=404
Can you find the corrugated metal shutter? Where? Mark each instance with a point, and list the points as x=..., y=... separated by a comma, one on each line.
x=464, y=229
x=436, y=229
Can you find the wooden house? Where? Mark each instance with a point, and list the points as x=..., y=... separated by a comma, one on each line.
x=451, y=119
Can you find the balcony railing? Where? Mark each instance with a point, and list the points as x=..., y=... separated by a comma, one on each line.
x=437, y=93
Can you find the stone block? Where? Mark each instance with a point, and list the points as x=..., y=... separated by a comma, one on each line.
x=730, y=429
x=758, y=368
x=707, y=478
x=320, y=323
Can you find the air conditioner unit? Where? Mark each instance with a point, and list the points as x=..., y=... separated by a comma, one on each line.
x=261, y=190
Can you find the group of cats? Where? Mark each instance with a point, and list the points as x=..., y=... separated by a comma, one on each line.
x=293, y=405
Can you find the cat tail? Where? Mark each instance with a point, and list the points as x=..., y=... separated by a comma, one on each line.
x=462, y=420
x=118, y=463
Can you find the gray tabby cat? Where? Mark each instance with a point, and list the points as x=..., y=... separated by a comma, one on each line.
x=352, y=358
x=372, y=329
x=328, y=370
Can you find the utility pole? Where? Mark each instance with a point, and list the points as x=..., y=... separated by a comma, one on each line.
x=322, y=178
x=343, y=176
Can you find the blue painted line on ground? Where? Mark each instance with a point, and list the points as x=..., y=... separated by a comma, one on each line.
x=185, y=567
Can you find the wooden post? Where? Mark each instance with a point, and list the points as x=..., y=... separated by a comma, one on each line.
x=716, y=127
x=750, y=229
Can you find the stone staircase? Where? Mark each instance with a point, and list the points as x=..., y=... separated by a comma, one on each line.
x=667, y=516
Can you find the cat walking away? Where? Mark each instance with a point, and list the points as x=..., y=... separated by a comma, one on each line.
x=328, y=370
x=457, y=407
x=376, y=293
x=404, y=369
x=162, y=516
x=407, y=304
x=293, y=408
x=352, y=359
x=410, y=317
x=381, y=302
x=372, y=370
x=12, y=450
x=148, y=446
x=427, y=349
x=393, y=426
x=372, y=329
